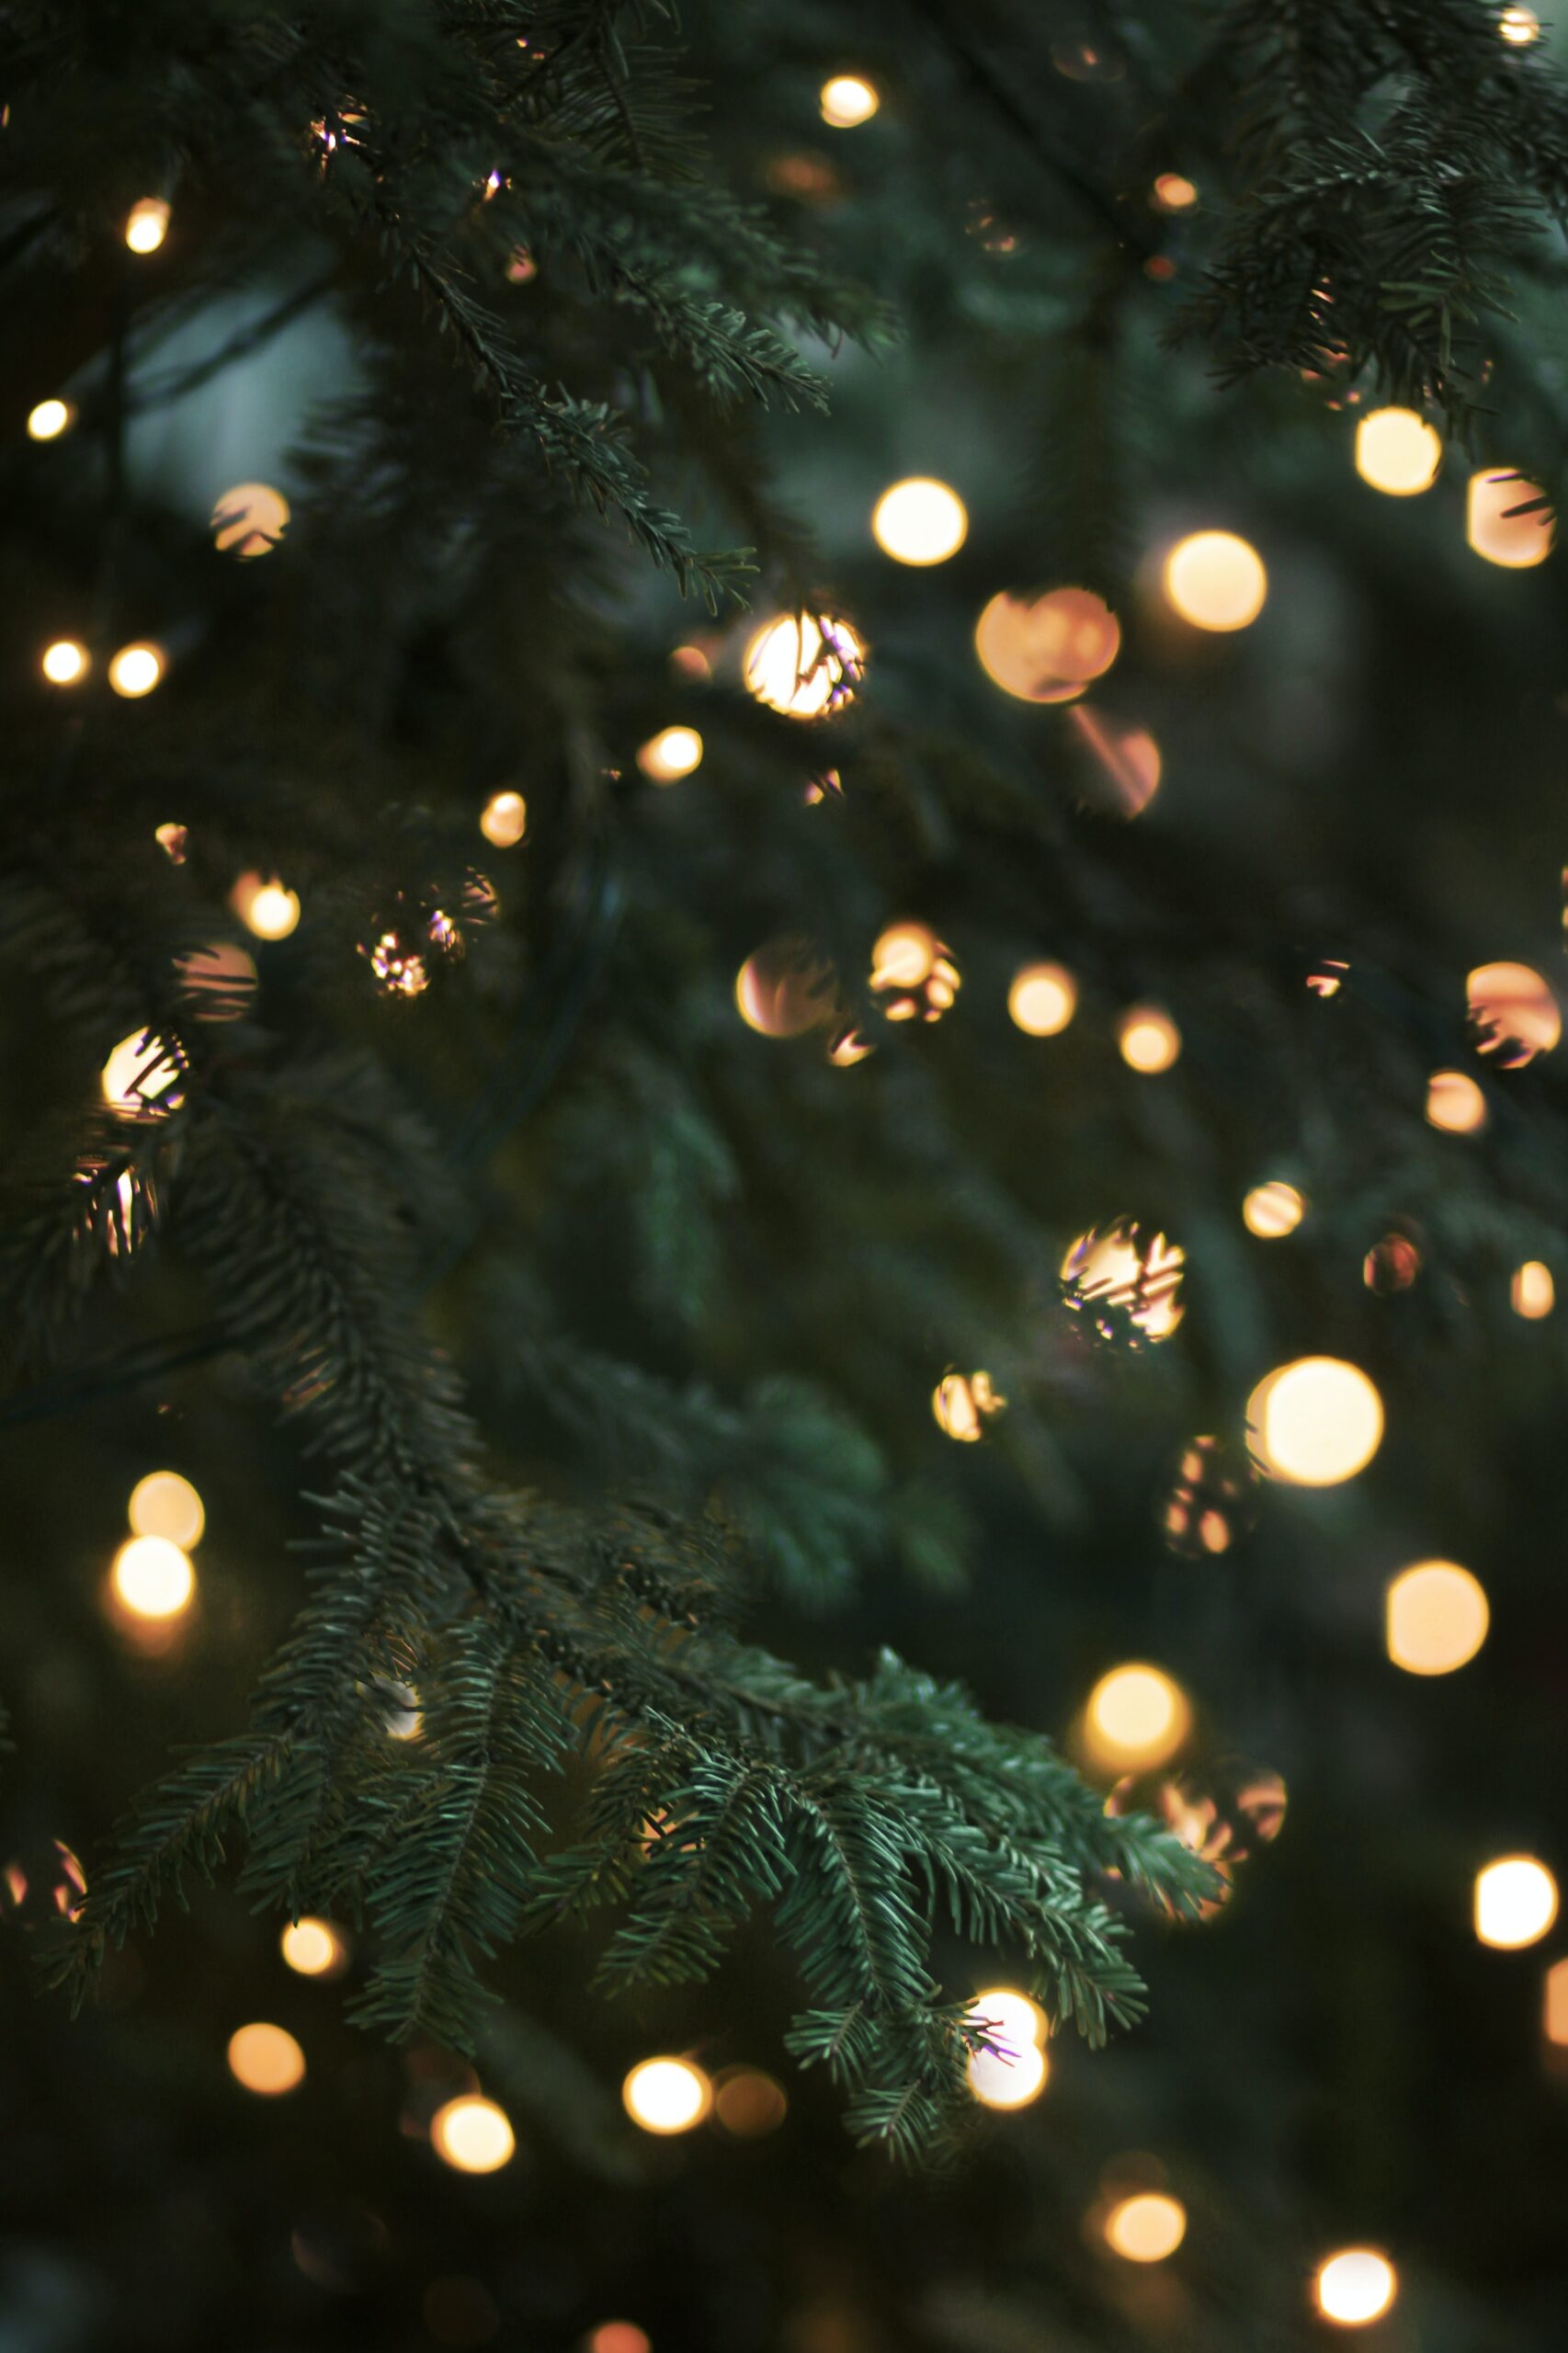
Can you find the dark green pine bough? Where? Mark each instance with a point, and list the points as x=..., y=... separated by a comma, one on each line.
x=594, y=1732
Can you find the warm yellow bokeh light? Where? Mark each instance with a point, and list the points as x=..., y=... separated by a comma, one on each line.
x=847, y=99
x=1215, y=580
x=1455, y=1103
x=1147, y=1039
x=785, y=989
x=666, y=2095
x=1136, y=1715
x=1513, y=1012
x=65, y=663
x=471, y=2134
x=1174, y=192
x=503, y=819
x=313, y=1947
x=671, y=753
x=1146, y=2228
x=1493, y=528
x=1355, y=2286
x=162, y=1504
x=147, y=224
x=749, y=2104
x=618, y=2336
x=1047, y=649
x=50, y=419
x=804, y=664
x=264, y=906
x=249, y=521
x=1011, y=2079
x=1397, y=452
x=142, y=1079
x=1013, y=2017
x=1532, y=1294
x=963, y=1403
x=153, y=1578
x=1042, y=999
x=920, y=521
x=1555, y=2005
x=1314, y=1422
x=1520, y=26
x=1435, y=1616
x=135, y=670
x=1272, y=1210
x=266, y=2059
x=1516, y=1902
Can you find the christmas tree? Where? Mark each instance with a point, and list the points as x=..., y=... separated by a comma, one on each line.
x=785, y=1173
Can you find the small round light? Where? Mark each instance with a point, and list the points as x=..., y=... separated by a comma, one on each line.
x=1513, y=1012
x=153, y=1578
x=1216, y=580
x=666, y=2096
x=1397, y=452
x=1455, y=1103
x=162, y=1504
x=1174, y=192
x=50, y=419
x=266, y=909
x=919, y=521
x=963, y=1403
x=65, y=663
x=673, y=753
x=1355, y=2287
x=1494, y=527
x=503, y=819
x=1136, y=1716
x=1532, y=1294
x=471, y=2134
x=785, y=989
x=1047, y=649
x=249, y=521
x=847, y=100
x=147, y=224
x=266, y=2059
x=1146, y=2228
x=1148, y=1039
x=618, y=2336
x=135, y=671
x=1518, y=27
x=1272, y=1210
x=142, y=1079
x=749, y=2104
x=1555, y=2004
x=1008, y=2079
x=1012, y=2017
x=804, y=664
x=1436, y=1617
x=1042, y=999
x=1315, y=1423
x=313, y=1947
x=1516, y=1902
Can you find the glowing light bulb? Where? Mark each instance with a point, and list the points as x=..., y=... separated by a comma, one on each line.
x=1397, y=452
x=1532, y=1294
x=1455, y=1103
x=1173, y=192
x=162, y=1504
x=1148, y=1039
x=666, y=2095
x=135, y=670
x=1014, y=2072
x=153, y=1578
x=249, y=521
x=1516, y=1902
x=1013, y=2017
x=1215, y=580
x=963, y=1403
x=1355, y=2287
x=503, y=819
x=847, y=100
x=1136, y=1715
x=1146, y=2228
x=919, y=521
x=313, y=1947
x=673, y=753
x=472, y=2135
x=1518, y=27
x=1513, y=1013
x=1047, y=649
x=50, y=419
x=266, y=2059
x=1272, y=1210
x=147, y=224
x=142, y=1079
x=1436, y=1617
x=65, y=664
x=1315, y=1423
x=786, y=989
x=804, y=664
x=1042, y=999
x=1496, y=530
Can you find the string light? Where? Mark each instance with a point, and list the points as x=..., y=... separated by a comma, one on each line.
x=1125, y=775
x=1516, y=1902
x=264, y=906
x=65, y=664
x=1272, y=1210
x=1013, y=2072
x=1147, y=1039
x=503, y=819
x=920, y=521
x=153, y=1578
x=666, y=2096
x=1125, y=1281
x=1136, y=1716
x=1174, y=192
x=847, y=100
x=913, y=973
x=471, y=2134
x=266, y=2059
x=1397, y=452
x=142, y=1079
x=806, y=665
x=748, y=2104
x=162, y=1504
x=1146, y=2228
x=1436, y=1617
x=249, y=521
x=785, y=989
x=1518, y=27
x=147, y=224
x=50, y=419
x=1495, y=531
x=1455, y=1103
x=964, y=1403
x=135, y=670
x=313, y=1947
x=1354, y=2287
x=1216, y=581
x=1050, y=648
x=1555, y=2004
x=673, y=753
x=1315, y=1423
x=1512, y=1012
x=1042, y=999
x=1532, y=1294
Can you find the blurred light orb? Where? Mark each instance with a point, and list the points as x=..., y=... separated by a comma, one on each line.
x=1391, y=1265
x=135, y=670
x=265, y=907
x=503, y=819
x=1210, y=1502
x=173, y=840
x=1436, y=1617
x=785, y=989
x=618, y=2336
x=162, y=1504
x=1146, y=2228
x=674, y=751
x=1397, y=452
x=691, y=663
x=1496, y=532
x=1174, y=192
x=1273, y=1210
x=1315, y=1423
x=1516, y=1902
x=147, y=224
x=666, y=2096
x=1518, y=27
x=806, y=665
x=963, y=1403
x=1126, y=766
x=1013, y=2017
x=65, y=663
x=1136, y=1716
x=471, y=2134
x=847, y=100
x=152, y=1577
x=1355, y=2287
x=266, y=2059
x=249, y=521
x=1215, y=580
x=1455, y=1103
x=748, y=2103
x=218, y=980
x=1126, y=1281
x=313, y=1947
x=50, y=419
x=1513, y=1013
x=1042, y=999
x=44, y=1883
x=1047, y=649
x=1014, y=2073
x=1555, y=2004
x=144, y=1078
x=913, y=973
x=1147, y=1039
x=847, y=1047
x=1532, y=1294
x=920, y=521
